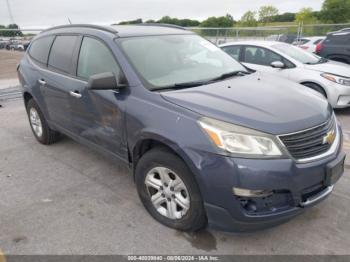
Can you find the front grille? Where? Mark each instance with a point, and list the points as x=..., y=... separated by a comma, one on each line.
x=311, y=142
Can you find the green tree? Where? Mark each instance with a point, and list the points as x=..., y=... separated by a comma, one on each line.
x=335, y=11
x=221, y=21
x=179, y=22
x=248, y=19
x=306, y=15
x=285, y=17
x=10, y=33
x=131, y=22
x=266, y=13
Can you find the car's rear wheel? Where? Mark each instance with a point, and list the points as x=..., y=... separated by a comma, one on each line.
x=169, y=191
x=316, y=87
x=42, y=132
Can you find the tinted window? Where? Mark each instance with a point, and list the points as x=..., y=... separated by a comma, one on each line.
x=40, y=49
x=233, y=51
x=317, y=41
x=62, y=52
x=260, y=56
x=95, y=58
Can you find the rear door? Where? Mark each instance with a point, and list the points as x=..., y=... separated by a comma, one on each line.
x=58, y=82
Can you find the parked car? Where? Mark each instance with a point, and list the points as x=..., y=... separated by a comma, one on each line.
x=285, y=38
x=207, y=140
x=336, y=46
x=309, y=43
x=330, y=78
x=17, y=47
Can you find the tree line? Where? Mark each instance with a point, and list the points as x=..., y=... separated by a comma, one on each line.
x=9, y=33
x=333, y=11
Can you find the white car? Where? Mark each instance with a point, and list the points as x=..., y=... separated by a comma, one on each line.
x=309, y=43
x=330, y=78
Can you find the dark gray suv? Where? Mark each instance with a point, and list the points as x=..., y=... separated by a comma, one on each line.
x=208, y=140
x=336, y=46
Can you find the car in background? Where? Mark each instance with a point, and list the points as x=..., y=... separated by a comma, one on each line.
x=15, y=46
x=330, y=78
x=309, y=43
x=207, y=140
x=285, y=38
x=336, y=46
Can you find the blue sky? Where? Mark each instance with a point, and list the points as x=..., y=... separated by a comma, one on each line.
x=44, y=13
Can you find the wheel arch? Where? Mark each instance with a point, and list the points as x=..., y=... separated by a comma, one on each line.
x=304, y=83
x=150, y=141
x=27, y=96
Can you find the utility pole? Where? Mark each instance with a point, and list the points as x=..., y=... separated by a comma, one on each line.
x=12, y=20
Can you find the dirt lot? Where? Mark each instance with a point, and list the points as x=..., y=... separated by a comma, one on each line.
x=8, y=63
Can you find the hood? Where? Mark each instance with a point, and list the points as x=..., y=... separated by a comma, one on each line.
x=332, y=67
x=258, y=101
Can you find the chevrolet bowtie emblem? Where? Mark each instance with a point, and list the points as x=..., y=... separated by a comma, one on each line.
x=329, y=138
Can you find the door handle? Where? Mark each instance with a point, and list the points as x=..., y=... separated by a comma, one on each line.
x=41, y=82
x=75, y=94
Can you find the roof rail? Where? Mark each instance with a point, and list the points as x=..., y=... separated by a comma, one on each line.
x=104, y=28
x=162, y=25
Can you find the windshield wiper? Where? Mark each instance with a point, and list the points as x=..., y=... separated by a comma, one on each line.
x=230, y=74
x=322, y=60
x=200, y=83
x=180, y=85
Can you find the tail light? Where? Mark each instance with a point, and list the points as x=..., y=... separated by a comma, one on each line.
x=318, y=48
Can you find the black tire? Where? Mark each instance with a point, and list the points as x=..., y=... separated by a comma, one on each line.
x=316, y=87
x=195, y=218
x=48, y=135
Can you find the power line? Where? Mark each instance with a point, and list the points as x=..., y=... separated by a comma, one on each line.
x=12, y=20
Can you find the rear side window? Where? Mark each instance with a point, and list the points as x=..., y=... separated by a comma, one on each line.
x=317, y=41
x=61, y=53
x=233, y=51
x=40, y=49
x=95, y=58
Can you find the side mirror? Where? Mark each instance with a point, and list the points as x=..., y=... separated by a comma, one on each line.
x=277, y=64
x=104, y=81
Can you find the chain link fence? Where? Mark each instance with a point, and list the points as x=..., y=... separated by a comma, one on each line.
x=286, y=33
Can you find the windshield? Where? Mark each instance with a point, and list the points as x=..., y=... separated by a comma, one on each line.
x=298, y=54
x=170, y=60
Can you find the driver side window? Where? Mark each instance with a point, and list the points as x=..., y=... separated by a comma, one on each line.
x=95, y=58
x=260, y=56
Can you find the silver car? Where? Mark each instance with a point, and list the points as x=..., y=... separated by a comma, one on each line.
x=330, y=78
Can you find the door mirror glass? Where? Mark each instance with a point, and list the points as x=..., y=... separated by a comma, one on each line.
x=277, y=64
x=104, y=81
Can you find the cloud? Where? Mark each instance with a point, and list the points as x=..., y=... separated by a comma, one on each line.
x=54, y=12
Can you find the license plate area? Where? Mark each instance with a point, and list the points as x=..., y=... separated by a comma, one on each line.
x=334, y=171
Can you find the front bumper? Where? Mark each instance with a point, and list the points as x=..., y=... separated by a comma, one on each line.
x=295, y=187
x=338, y=95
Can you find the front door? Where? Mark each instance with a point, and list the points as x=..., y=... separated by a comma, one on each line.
x=260, y=59
x=98, y=115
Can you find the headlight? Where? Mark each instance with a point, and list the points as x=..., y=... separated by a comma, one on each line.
x=337, y=79
x=240, y=140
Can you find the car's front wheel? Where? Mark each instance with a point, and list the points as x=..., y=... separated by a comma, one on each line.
x=169, y=191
